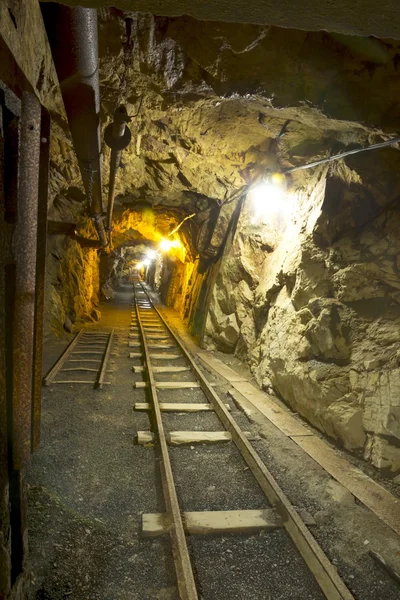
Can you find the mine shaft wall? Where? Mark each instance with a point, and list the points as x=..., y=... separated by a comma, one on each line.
x=316, y=315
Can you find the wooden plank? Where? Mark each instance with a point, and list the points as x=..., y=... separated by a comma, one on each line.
x=164, y=356
x=214, y=522
x=88, y=352
x=159, y=356
x=160, y=346
x=79, y=369
x=169, y=369
x=78, y=381
x=177, y=406
x=279, y=417
x=169, y=385
x=371, y=494
x=221, y=367
x=180, y=438
x=82, y=360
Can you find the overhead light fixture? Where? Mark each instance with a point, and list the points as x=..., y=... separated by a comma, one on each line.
x=166, y=245
x=151, y=254
x=266, y=196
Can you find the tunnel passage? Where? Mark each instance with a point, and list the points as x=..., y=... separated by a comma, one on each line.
x=299, y=281
x=253, y=172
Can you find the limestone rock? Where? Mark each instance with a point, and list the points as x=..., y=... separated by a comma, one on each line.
x=68, y=325
x=229, y=334
x=326, y=332
x=347, y=424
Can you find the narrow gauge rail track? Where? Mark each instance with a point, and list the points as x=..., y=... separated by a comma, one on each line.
x=87, y=353
x=154, y=340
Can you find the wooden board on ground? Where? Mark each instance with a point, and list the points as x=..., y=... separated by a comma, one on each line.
x=222, y=369
x=156, y=356
x=379, y=500
x=278, y=416
x=374, y=496
x=180, y=438
x=169, y=385
x=160, y=346
x=169, y=369
x=213, y=522
x=177, y=406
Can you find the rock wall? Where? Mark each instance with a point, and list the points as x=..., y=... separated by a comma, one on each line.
x=317, y=315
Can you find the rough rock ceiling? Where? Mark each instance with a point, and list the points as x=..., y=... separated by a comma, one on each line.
x=356, y=17
x=220, y=103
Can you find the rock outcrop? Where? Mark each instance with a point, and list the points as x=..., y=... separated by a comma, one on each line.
x=322, y=331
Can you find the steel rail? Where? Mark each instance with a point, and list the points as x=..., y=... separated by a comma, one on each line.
x=48, y=379
x=103, y=369
x=322, y=569
x=183, y=566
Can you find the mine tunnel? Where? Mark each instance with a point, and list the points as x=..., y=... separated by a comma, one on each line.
x=199, y=300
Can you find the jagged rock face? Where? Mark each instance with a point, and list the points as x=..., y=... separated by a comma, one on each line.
x=220, y=103
x=319, y=323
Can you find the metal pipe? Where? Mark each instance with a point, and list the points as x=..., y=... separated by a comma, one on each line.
x=24, y=246
x=72, y=33
x=117, y=136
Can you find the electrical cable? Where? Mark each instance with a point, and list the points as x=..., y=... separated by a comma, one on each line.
x=315, y=163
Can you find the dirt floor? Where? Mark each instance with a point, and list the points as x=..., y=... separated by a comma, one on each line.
x=89, y=484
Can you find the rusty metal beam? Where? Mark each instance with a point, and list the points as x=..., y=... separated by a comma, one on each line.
x=40, y=278
x=24, y=247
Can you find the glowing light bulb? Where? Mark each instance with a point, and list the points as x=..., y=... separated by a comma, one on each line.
x=166, y=245
x=151, y=254
x=265, y=199
x=146, y=262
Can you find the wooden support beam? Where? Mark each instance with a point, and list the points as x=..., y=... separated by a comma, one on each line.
x=180, y=438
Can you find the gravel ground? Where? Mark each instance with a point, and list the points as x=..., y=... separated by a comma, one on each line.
x=89, y=484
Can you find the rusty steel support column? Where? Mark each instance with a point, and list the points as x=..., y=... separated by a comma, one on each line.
x=72, y=33
x=40, y=278
x=117, y=136
x=24, y=246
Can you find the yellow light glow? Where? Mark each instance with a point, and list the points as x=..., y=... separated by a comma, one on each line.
x=267, y=198
x=166, y=245
x=139, y=266
x=151, y=254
